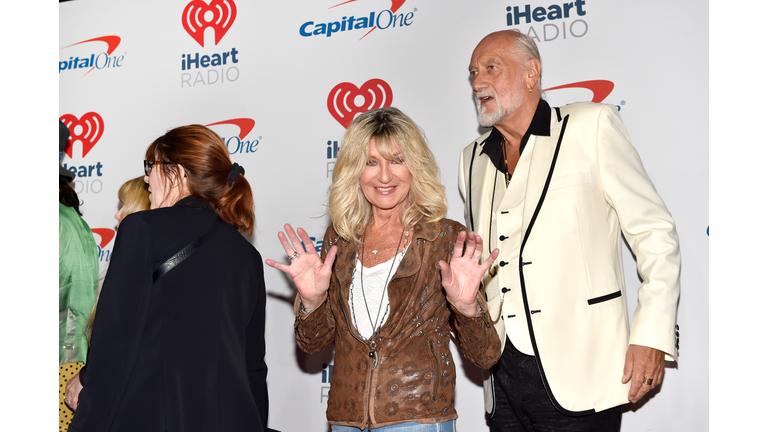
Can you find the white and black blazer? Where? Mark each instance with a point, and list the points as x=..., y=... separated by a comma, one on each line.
x=560, y=272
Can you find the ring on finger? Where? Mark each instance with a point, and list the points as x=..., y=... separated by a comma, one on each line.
x=648, y=381
x=294, y=256
x=476, y=257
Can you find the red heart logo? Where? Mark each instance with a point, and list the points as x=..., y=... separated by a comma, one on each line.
x=92, y=128
x=196, y=18
x=344, y=103
x=106, y=235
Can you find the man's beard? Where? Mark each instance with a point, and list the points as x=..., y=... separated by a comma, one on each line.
x=488, y=119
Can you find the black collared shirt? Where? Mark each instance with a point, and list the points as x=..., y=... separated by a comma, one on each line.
x=539, y=126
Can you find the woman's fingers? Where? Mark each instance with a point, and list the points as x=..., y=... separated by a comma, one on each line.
x=458, y=247
x=478, y=246
x=468, y=245
x=474, y=247
x=306, y=241
x=329, y=258
x=286, y=244
x=489, y=261
x=276, y=265
x=294, y=240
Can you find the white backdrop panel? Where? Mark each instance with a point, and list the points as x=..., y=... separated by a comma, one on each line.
x=271, y=107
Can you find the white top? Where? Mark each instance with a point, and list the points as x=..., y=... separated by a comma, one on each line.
x=375, y=280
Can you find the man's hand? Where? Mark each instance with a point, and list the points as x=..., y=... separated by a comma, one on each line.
x=642, y=363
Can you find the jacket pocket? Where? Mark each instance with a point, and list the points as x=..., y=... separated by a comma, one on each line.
x=569, y=180
x=604, y=298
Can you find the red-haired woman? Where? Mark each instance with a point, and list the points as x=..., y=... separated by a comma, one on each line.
x=178, y=339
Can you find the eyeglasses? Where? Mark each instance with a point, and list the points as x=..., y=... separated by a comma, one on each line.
x=148, y=165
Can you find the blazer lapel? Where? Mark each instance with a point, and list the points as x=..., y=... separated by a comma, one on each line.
x=542, y=160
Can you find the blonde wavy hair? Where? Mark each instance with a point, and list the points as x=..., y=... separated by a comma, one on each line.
x=134, y=195
x=387, y=127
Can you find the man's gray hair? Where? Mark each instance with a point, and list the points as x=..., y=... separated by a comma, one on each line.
x=526, y=50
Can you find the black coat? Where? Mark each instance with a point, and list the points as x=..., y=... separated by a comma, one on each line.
x=185, y=353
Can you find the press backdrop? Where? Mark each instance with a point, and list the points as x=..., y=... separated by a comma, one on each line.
x=280, y=81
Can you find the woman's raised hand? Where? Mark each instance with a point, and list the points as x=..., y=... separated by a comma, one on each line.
x=310, y=274
x=461, y=278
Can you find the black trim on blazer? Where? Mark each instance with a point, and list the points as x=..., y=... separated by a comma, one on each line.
x=606, y=297
x=471, y=163
x=522, y=282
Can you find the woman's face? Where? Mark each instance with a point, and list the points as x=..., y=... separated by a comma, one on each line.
x=385, y=183
x=161, y=192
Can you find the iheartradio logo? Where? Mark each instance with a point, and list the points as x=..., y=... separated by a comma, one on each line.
x=88, y=129
x=600, y=88
x=346, y=100
x=105, y=236
x=218, y=15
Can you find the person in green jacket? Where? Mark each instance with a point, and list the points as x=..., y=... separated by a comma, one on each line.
x=78, y=281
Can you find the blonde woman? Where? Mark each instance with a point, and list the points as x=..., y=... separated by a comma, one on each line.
x=133, y=196
x=392, y=272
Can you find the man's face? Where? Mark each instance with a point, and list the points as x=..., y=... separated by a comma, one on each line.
x=497, y=80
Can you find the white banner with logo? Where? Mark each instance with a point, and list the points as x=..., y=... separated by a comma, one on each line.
x=280, y=81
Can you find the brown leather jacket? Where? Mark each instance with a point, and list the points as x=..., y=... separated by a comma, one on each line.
x=415, y=376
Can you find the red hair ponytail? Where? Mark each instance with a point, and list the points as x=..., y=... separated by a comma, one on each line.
x=207, y=165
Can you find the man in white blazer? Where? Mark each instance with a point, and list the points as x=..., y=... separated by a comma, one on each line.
x=554, y=189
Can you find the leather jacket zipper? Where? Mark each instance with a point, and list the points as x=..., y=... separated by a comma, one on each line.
x=356, y=335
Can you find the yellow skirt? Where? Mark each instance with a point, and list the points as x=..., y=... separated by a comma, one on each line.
x=66, y=371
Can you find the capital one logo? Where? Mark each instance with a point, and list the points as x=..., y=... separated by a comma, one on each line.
x=199, y=16
x=103, y=60
x=368, y=22
x=237, y=143
x=88, y=129
x=600, y=88
x=346, y=100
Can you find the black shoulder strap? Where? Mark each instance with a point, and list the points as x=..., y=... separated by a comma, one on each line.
x=183, y=254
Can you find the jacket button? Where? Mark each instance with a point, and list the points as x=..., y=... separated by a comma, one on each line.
x=502, y=238
x=503, y=263
x=505, y=290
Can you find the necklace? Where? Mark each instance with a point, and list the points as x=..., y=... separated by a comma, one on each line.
x=375, y=249
x=372, y=350
x=507, y=175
